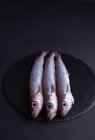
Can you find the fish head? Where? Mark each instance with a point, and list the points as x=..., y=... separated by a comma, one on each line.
x=36, y=104
x=65, y=104
x=51, y=106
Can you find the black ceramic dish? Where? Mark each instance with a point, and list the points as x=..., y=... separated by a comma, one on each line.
x=82, y=80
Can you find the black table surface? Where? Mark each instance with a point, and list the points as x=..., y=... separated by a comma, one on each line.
x=29, y=28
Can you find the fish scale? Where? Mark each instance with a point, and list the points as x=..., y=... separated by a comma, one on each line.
x=49, y=87
x=65, y=97
x=35, y=85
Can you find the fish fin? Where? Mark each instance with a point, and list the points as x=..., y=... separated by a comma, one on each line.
x=52, y=88
x=39, y=89
x=52, y=53
x=72, y=99
x=59, y=51
x=69, y=73
x=67, y=88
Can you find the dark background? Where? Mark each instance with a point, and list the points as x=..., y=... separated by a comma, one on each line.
x=30, y=27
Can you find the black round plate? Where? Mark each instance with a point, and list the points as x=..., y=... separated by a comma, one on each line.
x=82, y=80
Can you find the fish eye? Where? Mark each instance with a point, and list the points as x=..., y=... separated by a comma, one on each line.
x=49, y=106
x=34, y=104
x=64, y=104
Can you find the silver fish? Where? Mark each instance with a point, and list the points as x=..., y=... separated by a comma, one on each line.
x=65, y=97
x=49, y=88
x=35, y=85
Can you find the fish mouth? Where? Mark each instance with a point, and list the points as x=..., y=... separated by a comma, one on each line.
x=50, y=116
x=35, y=114
x=63, y=113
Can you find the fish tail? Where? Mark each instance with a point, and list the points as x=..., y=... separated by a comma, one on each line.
x=44, y=52
x=57, y=54
x=52, y=54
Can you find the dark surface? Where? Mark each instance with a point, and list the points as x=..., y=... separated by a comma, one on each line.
x=29, y=28
x=82, y=81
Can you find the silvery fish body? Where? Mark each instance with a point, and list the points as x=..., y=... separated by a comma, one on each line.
x=35, y=85
x=65, y=97
x=49, y=88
